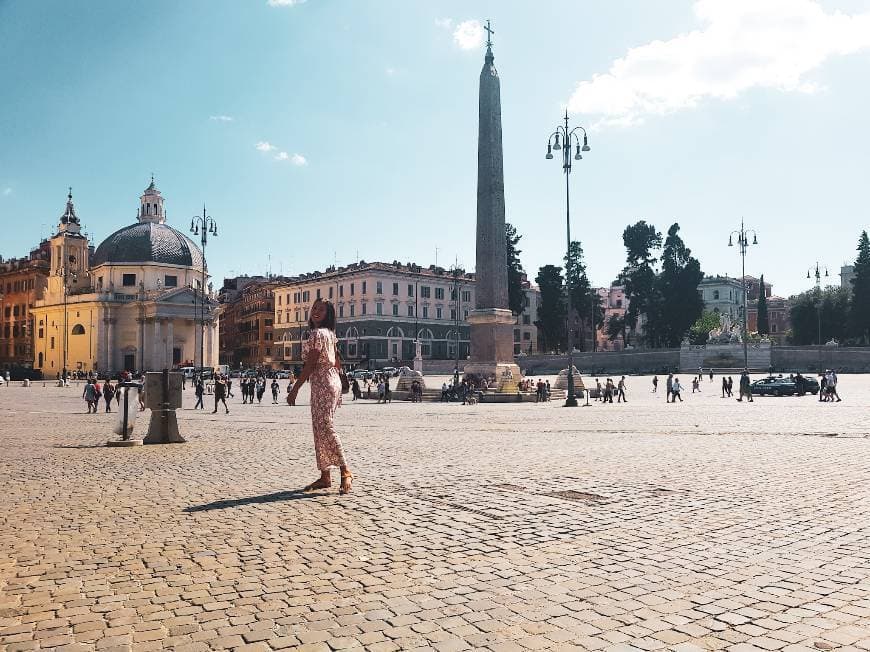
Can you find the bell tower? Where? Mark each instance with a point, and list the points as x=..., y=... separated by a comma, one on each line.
x=151, y=205
x=69, y=252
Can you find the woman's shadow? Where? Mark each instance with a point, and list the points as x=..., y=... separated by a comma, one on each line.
x=278, y=496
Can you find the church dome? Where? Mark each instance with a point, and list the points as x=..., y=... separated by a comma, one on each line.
x=148, y=242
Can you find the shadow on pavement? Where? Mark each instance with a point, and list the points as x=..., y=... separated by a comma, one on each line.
x=278, y=496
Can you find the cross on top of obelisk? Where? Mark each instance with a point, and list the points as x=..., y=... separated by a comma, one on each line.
x=489, y=34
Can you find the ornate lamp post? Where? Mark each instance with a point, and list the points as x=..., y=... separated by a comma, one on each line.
x=570, y=139
x=818, y=277
x=206, y=225
x=743, y=242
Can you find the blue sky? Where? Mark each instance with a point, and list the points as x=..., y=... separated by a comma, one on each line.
x=365, y=114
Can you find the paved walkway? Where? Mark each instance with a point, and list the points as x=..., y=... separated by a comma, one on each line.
x=704, y=525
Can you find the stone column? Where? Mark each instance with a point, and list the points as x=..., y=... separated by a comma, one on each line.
x=492, y=350
x=157, y=353
x=209, y=343
x=140, y=343
x=170, y=335
x=102, y=360
x=110, y=345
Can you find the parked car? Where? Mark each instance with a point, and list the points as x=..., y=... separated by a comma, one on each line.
x=390, y=371
x=782, y=386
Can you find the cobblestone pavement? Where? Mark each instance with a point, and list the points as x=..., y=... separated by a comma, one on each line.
x=705, y=525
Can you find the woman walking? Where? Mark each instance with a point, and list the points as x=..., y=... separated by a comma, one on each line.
x=321, y=367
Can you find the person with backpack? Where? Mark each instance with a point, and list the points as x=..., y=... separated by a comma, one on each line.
x=108, y=393
x=88, y=394
x=275, y=388
x=220, y=394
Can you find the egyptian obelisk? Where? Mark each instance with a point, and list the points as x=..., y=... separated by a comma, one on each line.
x=492, y=348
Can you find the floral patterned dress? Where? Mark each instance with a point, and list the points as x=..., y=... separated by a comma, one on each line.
x=325, y=398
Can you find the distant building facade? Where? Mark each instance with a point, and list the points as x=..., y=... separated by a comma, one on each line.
x=247, y=319
x=614, y=303
x=525, y=330
x=136, y=303
x=723, y=295
x=380, y=308
x=22, y=284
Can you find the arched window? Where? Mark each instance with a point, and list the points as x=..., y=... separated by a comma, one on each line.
x=395, y=331
x=424, y=335
x=78, y=329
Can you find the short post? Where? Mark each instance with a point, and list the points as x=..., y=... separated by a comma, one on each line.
x=126, y=439
x=163, y=396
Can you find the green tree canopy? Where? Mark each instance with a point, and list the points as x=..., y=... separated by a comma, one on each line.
x=677, y=286
x=816, y=311
x=516, y=296
x=585, y=302
x=763, y=326
x=859, y=309
x=700, y=331
x=551, y=312
x=639, y=278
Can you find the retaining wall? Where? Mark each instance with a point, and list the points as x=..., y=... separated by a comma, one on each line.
x=814, y=358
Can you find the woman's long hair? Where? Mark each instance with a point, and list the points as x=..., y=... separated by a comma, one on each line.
x=328, y=321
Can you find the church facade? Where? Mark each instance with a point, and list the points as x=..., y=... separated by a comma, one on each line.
x=137, y=302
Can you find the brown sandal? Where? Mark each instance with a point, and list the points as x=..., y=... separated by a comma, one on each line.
x=320, y=483
x=346, y=483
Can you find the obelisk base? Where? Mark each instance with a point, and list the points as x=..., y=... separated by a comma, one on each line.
x=492, y=348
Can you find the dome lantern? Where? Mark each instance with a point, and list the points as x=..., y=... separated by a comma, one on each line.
x=151, y=205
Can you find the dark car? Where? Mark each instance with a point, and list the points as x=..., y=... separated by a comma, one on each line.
x=783, y=386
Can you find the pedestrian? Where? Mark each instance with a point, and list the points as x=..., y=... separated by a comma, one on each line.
x=696, y=387
x=670, y=388
x=832, y=385
x=608, y=391
x=388, y=394
x=444, y=395
x=88, y=395
x=220, y=394
x=322, y=365
x=142, y=393
x=730, y=387
x=745, y=387
x=229, y=387
x=98, y=392
x=621, y=388
x=600, y=391
x=357, y=392
x=724, y=386
x=380, y=389
x=261, y=389
x=711, y=374
x=108, y=393
x=275, y=387
x=676, y=388
x=198, y=390
x=655, y=384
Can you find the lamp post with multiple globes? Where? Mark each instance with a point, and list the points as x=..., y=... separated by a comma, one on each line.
x=202, y=225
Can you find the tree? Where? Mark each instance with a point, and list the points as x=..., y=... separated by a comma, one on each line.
x=763, y=326
x=585, y=302
x=859, y=308
x=700, y=331
x=516, y=296
x=551, y=312
x=616, y=328
x=819, y=315
x=677, y=286
x=639, y=278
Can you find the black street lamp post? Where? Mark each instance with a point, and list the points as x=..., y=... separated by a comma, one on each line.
x=204, y=224
x=570, y=138
x=818, y=277
x=743, y=242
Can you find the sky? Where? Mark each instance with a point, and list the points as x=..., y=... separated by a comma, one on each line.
x=327, y=131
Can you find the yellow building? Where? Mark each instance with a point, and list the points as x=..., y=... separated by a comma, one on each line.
x=137, y=303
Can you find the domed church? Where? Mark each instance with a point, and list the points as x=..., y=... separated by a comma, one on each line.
x=136, y=303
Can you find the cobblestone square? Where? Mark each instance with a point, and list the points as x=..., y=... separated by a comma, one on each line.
x=705, y=525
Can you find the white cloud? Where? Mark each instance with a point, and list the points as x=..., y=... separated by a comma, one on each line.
x=284, y=3
x=221, y=118
x=468, y=34
x=444, y=23
x=741, y=45
x=281, y=156
x=298, y=160
x=265, y=146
